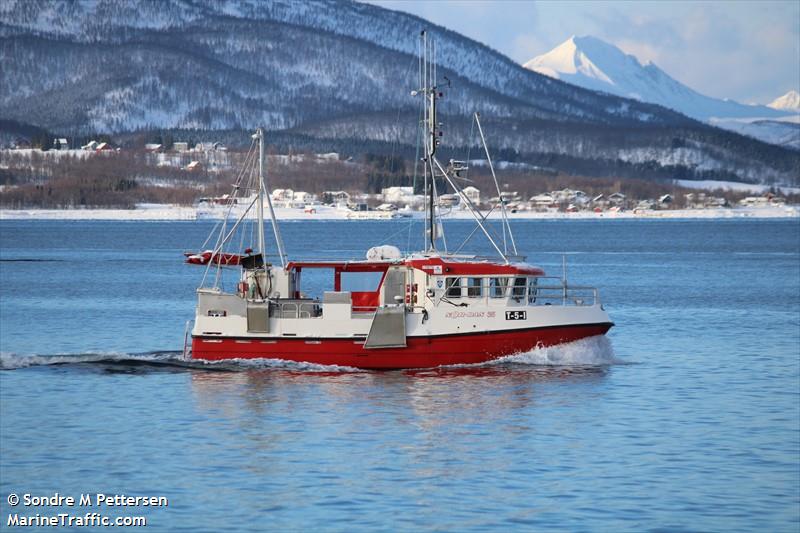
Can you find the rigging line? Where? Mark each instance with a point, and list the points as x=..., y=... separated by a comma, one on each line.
x=397, y=120
x=420, y=135
x=242, y=218
x=416, y=155
x=220, y=221
x=211, y=233
x=223, y=240
x=414, y=185
x=243, y=233
x=222, y=224
x=475, y=229
x=471, y=208
x=398, y=232
x=494, y=176
x=469, y=147
x=466, y=178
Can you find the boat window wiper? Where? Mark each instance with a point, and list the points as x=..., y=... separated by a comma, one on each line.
x=446, y=300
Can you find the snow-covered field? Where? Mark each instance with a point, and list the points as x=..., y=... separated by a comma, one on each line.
x=168, y=212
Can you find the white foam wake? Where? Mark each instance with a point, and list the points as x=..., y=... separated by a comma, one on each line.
x=277, y=364
x=11, y=361
x=591, y=351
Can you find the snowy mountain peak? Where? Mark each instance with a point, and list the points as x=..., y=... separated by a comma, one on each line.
x=594, y=64
x=789, y=102
x=588, y=57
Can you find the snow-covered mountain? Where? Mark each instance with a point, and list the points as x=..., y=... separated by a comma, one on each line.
x=324, y=73
x=789, y=102
x=778, y=132
x=597, y=65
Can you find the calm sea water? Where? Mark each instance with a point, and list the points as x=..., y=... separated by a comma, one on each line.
x=686, y=419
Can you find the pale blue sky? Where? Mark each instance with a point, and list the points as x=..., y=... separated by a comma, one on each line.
x=745, y=50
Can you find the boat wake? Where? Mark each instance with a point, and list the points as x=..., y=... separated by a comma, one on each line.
x=162, y=359
x=12, y=361
x=276, y=364
x=591, y=351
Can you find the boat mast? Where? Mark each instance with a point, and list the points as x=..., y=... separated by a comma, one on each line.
x=263, y=188
x=428, y=231
x=430, y=93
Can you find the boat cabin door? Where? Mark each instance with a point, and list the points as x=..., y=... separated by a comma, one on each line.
x=394, y=285
x=388, y=329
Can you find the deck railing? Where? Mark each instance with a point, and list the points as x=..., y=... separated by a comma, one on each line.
x=541, y=290
x=296, y=309
x=558, y=292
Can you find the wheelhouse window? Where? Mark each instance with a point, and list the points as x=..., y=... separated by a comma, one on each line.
x=498, y=287
x=532, y=288
x=453, y=287
x=474, y=289
x=519, y=289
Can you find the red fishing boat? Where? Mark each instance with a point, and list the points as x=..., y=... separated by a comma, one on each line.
x=390, y=310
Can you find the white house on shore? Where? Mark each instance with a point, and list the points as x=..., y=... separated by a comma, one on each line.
x=339, y=198
x=473, y=194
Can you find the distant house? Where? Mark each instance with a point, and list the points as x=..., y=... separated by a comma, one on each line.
x=154, y=147
x=180, y=146
x=510, y=196
x=208, y=147
x=194, y=166
x=716, y=201
x=542, y=201
x=61, y=144
x=338, y=197
x=754, y=201
x=448, y=200
x=283, y=195
x=103, y=147
x=91, y=146
x=301, y=198
x=616, y=198
x=564, y=195
x=665, y=199
x=473, y=194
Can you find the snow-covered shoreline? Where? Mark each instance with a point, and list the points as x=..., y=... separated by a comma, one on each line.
x=174, y=213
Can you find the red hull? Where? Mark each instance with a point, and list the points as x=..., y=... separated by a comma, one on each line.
x=421, y=352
